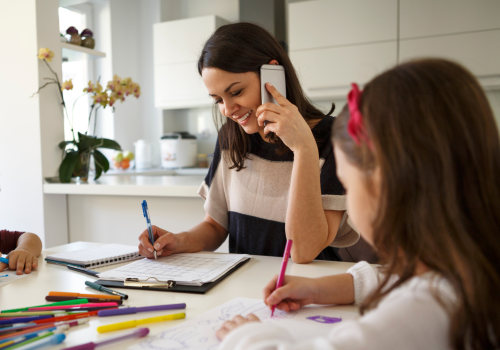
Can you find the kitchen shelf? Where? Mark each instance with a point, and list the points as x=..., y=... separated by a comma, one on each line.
x=74, y=52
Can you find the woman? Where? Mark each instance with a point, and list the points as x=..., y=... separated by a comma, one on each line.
x=273, y=174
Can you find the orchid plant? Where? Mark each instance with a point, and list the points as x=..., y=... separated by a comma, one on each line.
x=77, y=151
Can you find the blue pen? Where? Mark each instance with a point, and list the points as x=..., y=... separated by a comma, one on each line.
x=4, y=260
x=148, y=223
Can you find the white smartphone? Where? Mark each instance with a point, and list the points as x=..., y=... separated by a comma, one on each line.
x=274, y=74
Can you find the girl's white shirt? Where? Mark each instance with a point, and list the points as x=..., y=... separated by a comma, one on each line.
x=409, y=317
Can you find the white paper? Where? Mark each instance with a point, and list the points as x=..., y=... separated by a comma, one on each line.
x=187, y=269
x=7, y=276
x=199, y=332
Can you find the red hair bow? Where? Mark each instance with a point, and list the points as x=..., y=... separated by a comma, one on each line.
x=355, y=126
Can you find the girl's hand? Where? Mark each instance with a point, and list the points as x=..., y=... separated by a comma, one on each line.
x=237, y=321
x=295, y=293
x=166, y=243
x=285, y=121
x=22, y=260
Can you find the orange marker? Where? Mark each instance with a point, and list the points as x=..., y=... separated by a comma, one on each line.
x=78, y=295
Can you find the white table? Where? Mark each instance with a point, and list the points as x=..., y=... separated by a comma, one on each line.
x=247, y=281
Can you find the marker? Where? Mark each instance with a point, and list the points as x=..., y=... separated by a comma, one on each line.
x=135, y=323
x=66, y=302
x=105, y=289
x=4, y=260
x=284, y=262
x=134, y=310
x=145, y=212
x=91, y=300
x=83, y=270
x=50, y=338
x=78, y=295
x=23, y=319
x=138, y=333
x=67, y=317
x=35, y=333
x=76, y=306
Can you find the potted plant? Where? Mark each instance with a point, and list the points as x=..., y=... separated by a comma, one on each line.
x=78, y=152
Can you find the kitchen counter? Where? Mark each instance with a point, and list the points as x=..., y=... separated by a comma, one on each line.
x=128, y=184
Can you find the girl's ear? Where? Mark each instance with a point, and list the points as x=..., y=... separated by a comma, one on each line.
x=273, y=61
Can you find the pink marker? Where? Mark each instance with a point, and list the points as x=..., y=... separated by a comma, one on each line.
x=75, y=307
x=138, y=333
x=284, y=262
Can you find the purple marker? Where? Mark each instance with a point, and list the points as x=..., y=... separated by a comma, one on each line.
x=324, y=319
x=134, y=310
x=138, y=333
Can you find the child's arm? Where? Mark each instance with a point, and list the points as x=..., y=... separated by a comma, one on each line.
x=25, y=256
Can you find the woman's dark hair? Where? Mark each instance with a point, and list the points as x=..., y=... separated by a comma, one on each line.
x=245, y=47
x=433, y=137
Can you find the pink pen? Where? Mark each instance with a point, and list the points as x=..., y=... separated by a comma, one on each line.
x=138, y=333
x=74, y=307
x=284, y=262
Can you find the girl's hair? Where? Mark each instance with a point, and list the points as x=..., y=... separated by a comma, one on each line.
x=431, y=132
x=245, y=47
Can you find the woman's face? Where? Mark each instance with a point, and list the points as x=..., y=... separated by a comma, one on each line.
x=237, y=95
x=362, y=194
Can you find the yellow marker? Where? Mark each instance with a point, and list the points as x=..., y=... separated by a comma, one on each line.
x=134, y=323
x=7, y=343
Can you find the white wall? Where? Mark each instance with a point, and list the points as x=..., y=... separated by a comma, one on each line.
x=31, y=127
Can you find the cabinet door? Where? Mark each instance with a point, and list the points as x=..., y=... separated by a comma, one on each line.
x=336, y=42
x=479, y=51
x=327, y=23
x=178, y=85
x=327, y=73
x=177, y=46
x=439, y=17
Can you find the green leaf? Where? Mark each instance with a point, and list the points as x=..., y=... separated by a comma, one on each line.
x=62, y=145
x=101, y=164
x=111, y=144
x=86, y=142
x=67, y=166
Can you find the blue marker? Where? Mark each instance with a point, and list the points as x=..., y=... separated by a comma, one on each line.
x=148, y=223
x=4, y=260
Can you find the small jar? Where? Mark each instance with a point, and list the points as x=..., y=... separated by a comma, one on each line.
x=202, y=160
x=88, y=42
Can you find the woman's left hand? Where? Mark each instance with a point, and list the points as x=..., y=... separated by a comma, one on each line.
x=237, y=321
x=285, y=121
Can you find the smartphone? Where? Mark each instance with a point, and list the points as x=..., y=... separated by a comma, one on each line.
x=274, y=74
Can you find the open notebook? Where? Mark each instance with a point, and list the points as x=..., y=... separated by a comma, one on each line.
x=188, y=269
x=99, y=256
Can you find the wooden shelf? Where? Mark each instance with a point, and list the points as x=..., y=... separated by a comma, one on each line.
x=74, y=52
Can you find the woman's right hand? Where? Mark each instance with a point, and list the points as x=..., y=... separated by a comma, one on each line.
x=166, y=243
x=295, y=293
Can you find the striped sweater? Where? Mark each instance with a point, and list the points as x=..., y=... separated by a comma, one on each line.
x=251, y=204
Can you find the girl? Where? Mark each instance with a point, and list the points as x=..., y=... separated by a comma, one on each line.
x=273, y=173
x=418, y=152
x=23, y=248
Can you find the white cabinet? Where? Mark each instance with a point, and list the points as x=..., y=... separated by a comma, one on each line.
x=177, y=47
x=467, y=32
x=424, y=18
x=335, y=42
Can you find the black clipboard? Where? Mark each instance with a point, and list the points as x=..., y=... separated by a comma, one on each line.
x=176, y=287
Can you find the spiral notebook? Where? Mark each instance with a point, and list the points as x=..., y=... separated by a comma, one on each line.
x=99, y=256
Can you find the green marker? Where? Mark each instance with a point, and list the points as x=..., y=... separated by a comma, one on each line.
x=65, y=302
